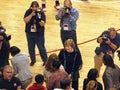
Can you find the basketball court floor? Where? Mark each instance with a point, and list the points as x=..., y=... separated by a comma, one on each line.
x=95, y=17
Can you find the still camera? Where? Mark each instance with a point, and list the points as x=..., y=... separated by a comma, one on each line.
x=67, y=10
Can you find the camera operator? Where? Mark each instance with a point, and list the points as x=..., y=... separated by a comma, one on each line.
x=2, y=31
x=35, y=25
x=4, y=48
x=109, y=42
x=68, y=17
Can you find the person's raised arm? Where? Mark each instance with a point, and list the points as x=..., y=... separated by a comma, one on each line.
x=28, y=18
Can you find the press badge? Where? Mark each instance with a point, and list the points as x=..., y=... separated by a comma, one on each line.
x=33, y=28
x=65, y=26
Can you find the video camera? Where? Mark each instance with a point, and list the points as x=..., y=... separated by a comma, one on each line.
x=105, y=36
x=67, y=10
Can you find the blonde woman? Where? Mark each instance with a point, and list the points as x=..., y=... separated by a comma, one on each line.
x=92, y=85
x=72, y=61
x=68, y=16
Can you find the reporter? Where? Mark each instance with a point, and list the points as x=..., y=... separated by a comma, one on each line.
x=68, y=17
x=8, y=82
x=35, y=19
x=107, y=46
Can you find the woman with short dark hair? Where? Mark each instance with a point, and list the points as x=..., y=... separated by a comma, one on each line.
x=92, y=75
x=35, y=20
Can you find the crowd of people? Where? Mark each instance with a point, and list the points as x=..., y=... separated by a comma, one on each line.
x=60, y=72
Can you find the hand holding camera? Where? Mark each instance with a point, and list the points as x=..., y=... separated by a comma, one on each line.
x=106, y=40
x=67, y=10
x=38, y=15
x=105, y=37
x=33, y=13
x=42, y=23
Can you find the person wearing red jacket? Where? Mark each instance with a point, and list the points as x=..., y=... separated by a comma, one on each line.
x=38, y=85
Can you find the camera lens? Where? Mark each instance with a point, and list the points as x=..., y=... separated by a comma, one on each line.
x=67, y=10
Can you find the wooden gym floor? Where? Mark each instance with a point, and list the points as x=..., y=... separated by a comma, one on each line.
x=95, y=17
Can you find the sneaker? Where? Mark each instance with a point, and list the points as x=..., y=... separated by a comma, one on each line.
x=43, y=63
x=32, y=63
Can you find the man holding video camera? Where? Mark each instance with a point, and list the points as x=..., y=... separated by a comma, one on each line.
x=68, y=17
x=35, y=19
x=109, y=42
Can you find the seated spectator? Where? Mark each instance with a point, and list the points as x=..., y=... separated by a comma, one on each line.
x=56, y=76
x=8, y=81
x=65, y=84
x=92, y=75
x=20, y=63
x=111, y=75
x=38, y=85
x=47, y=69
x=92, y=85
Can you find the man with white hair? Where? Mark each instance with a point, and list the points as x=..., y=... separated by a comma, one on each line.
x=109, y=42
x=8, y=82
